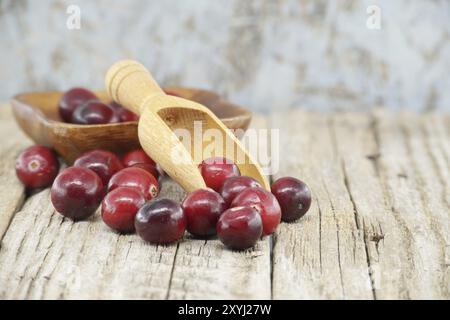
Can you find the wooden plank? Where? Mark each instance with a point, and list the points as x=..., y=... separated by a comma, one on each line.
x=371, y=161
x=12, y=193
x=323, y=255
x=45, y=256
x=421, y=192
x=205, y=269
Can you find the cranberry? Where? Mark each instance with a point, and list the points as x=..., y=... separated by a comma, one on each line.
x=235, y=185
x=203, y=208
x=293, y=196
x=135, y=178
x=155, y=171
x=71, y=99
x=37, y=167
x=263, y=201
x=124, y=115
x=77, y=192
x=136, y=156
x=160, y=221
x=119, y=208
x=103, y=163
x=94, y=112
x=240, y=227
x=171, y=93
x=216, y=170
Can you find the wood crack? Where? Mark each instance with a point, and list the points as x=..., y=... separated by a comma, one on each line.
x=365, y=233
x=172, y=271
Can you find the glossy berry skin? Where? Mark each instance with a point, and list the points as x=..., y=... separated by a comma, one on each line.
x=155, y=171
x=265, y=203
x=216, y=170
x=135, y=178
x=71, y=100
x=102, y=162
x=77, y=192
x=37, y=167
x=235, y=185
x=293, y=196
x=240, y=228
x=160, y=221
x=203, y=208
x=136, y=156
x=124, y=114
x=94, y=112
x=119, y=208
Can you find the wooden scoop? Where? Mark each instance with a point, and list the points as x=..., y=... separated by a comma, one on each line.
x=164, y=118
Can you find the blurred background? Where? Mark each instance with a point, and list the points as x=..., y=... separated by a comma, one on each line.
x=316, y=54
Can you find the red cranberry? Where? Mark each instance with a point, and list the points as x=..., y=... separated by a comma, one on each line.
x=203, y=208
x=77, y=192
x=135, y=178
x=171, y=93
x=293, y=196
x=136, y=156
x=119, y=208
x=71, y=99
x=240, y=227
x=94, y=112
x=37, y=167
x=155, y=171
x=160, y=221
x=263, y=201
x=124, y=115
x=216, y=170
x=103, y=163
x=235, y=185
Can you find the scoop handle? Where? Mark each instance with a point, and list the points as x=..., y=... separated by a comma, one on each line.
x=130, y=84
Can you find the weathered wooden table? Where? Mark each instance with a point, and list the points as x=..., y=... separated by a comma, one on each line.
x=378, y=227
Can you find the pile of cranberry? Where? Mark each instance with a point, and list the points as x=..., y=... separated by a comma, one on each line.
x=236, y=208
x=82, y=106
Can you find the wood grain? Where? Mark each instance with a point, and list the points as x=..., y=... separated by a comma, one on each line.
x=378, y=227
x=12, y=192
x=379, y=224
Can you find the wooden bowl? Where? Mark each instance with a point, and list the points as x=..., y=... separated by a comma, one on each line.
x=37, y=115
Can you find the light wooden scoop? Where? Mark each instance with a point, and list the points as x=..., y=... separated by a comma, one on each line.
x=164, y=119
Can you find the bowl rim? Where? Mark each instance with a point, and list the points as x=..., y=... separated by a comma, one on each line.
x=20, y=98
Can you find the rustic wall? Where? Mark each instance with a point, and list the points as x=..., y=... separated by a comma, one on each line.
x=264, y=54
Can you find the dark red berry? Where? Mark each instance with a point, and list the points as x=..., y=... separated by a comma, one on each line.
x=216, y=170
x=240, y=228
x=37, y=167
x=135, y=178
x=171, y=93
x=77, y=192
x=136, y=156
x=293, y=196
x=71, y=100
x=155, y=171
x=94, y=112
x=102, y=162
x=265, y=203
x=119, y=208
x=203, y=208
x=160, y=221
x=235, y=185
x=124, y=115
